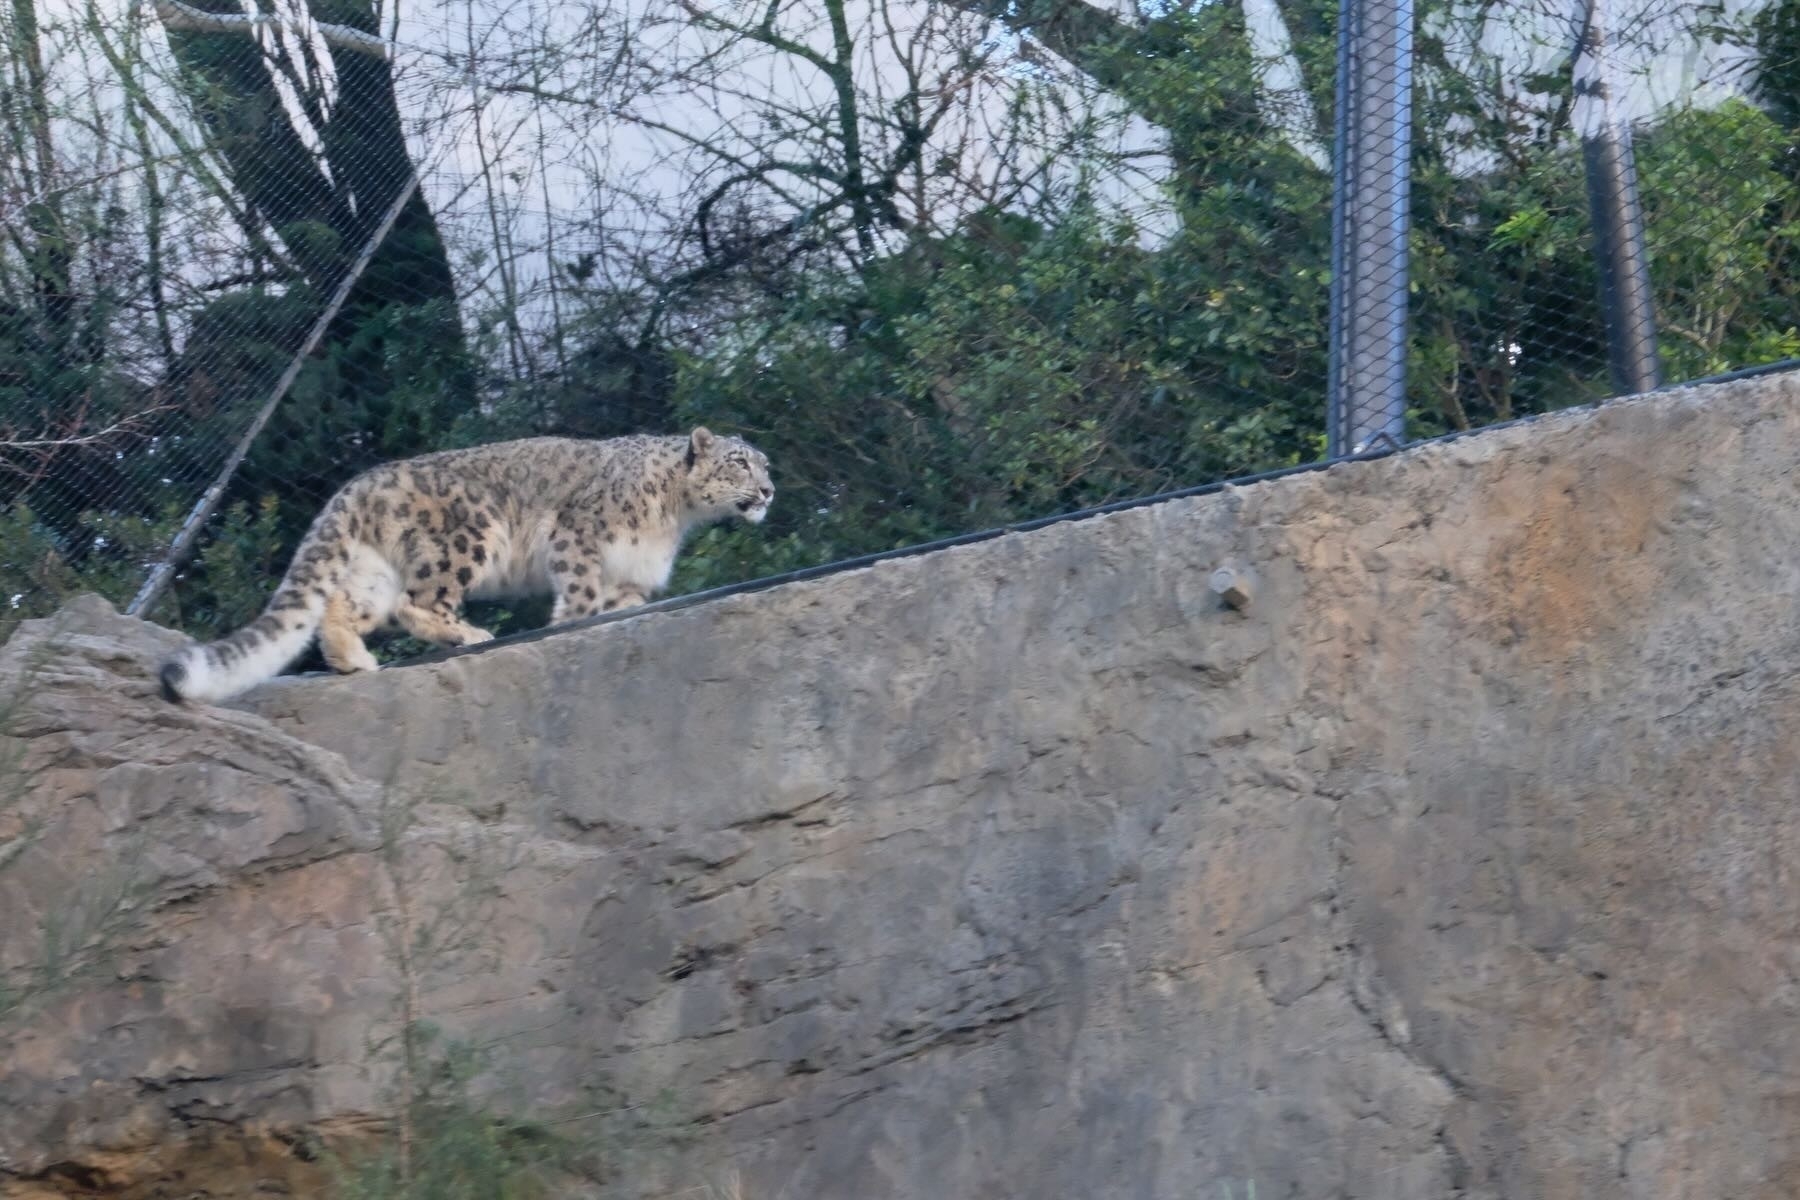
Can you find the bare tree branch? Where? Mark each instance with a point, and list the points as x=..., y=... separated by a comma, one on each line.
x=40, y=450
x=176, y=15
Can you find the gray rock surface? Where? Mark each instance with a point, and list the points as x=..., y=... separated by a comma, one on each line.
x=1460, y=861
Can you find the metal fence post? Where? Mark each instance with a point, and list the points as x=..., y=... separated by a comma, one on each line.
x=1366, y=386
x=1620, y=250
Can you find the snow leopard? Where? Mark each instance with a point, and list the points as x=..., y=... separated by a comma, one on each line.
x=598, y=523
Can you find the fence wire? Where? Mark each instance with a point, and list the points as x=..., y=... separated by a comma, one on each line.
x=953, y=264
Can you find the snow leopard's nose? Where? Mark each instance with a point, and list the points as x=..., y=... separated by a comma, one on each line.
x=768, y=493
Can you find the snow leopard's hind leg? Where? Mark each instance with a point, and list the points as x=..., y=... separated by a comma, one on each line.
x=341, y=635
x=575, y=570
x=616, y=596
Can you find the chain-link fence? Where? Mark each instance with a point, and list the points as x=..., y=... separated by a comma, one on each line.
x=952, y=264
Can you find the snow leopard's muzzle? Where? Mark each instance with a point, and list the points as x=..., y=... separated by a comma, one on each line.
x=755, y=507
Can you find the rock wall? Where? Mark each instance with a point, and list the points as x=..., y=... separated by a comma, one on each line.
x=1460, y=862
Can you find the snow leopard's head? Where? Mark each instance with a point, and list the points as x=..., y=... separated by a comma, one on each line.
x=727, y=477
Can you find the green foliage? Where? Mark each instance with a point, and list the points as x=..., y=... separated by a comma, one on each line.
x=234, y=573
x=1505, y=315
x=384, y=388
x=109, y=553
x=457, y=1149
x=1776, y=45
x=35, y=575
x=1019, y=368
x=1001, y=374
x=1005, y=369
x=1723, y=219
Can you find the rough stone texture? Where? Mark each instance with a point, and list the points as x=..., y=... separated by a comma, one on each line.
x=1461, y=861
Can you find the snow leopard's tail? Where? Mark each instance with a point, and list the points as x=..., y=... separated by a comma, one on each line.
x=217, y=670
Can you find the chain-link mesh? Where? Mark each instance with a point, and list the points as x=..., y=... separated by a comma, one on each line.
x=1601, y=201
x=952, y=264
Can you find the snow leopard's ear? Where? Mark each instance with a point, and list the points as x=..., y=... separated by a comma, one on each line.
x=699, y=442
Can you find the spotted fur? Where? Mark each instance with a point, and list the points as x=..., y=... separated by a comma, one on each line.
x=597, y=523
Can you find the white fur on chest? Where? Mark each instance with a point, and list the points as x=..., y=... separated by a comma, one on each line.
x=520, y=562
x=645, y=566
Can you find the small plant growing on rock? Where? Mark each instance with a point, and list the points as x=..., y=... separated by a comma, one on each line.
x=444, y=1139
x=453, y=1148
x=83, y=925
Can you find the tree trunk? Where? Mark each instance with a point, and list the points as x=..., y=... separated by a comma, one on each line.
x=399, y=336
